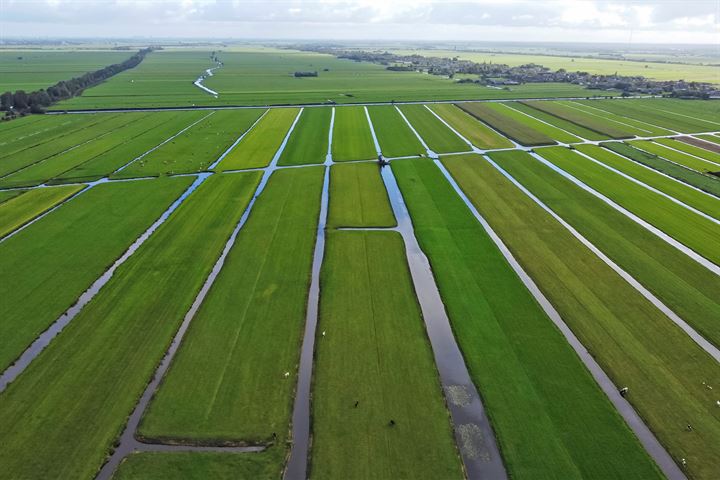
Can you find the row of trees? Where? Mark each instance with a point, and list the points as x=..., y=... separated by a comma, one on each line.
x=21, y=102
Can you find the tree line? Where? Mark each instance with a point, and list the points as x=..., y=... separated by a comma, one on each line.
x=20, y=102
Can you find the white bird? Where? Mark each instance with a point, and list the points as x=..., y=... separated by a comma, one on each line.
x=323, y=333
x=287, y=374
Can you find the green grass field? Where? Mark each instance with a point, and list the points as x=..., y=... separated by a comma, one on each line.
x=691, y=177
x=100, y=363
x=33, y=130
x=49, y=264
x=359, y=198
x=528, y=376
x=196, y=149
x=584, y=119
x=259, y=145
x=678, y=281
x=480, y=135
x=704, y=203
x=117, y=135
x=394, y=136
x=20, y=210
x=68, y=138
x=642, y=109
x=308, y=143
x=694, y=231
x=264, y=76
x=497, y=118
x=161, y=126
x=32, y=70
x=654, y=148
x=638, y=127
x=201, y=465
x=551, y=131
x=352, y=139
x=377, y=335
x=573, y=128
x=691, y=149
x=253, y=320
x=436, y=135
x=631, y=340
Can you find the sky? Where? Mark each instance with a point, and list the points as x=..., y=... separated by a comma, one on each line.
x=639, y=21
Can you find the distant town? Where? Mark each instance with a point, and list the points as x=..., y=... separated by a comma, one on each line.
x=504, y=76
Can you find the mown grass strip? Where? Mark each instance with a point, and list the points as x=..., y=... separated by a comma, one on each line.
x=50, y=263
x=698, y=200
x=694, y=231
x=265, y=465
x=32, y=134
x=253, y=320
x=359, y=198
x=436, y=135
x=643, y=128
x=99, y=365
x=196, y=149
x=551, y=131
x=642, y=111
x=528, y=375
x=308, y=142
x=259, y=146
x=393, y=134
x=87, y=132
x=679, y=282
x=634, y=343
x=44, y=171
x=691, y=149
x=393, y=423
x=20, y=210
x=573, y=128
x=691, y=177
x=611, y=129
x=479, y=134
x=497, y=119
x=693, y=163
x=351, y=138
x=163, y=126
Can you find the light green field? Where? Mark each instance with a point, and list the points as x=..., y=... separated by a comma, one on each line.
x=496, y=116
x=678, y=281
x=129, y=324
x=438, y=137
x=654, y=148
x=704, y=182
x=308, y=142
x=655, y=71
x=691, y=149
x=32, y=70
x=253, y=320
x=634, y=343
x=375, y=352
x=590, y=121
x=705, y=203
x=196, y=149
x=259, y=145
x=558, y=122
x=526, y=372
x=49, y=264
x=550, y=130
x=480, y=135
x=20, y=210
x=359, y=198
x=694, y=231
x=394, y=136
x=638, y=127
x=260, y=76
x=352, y=139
